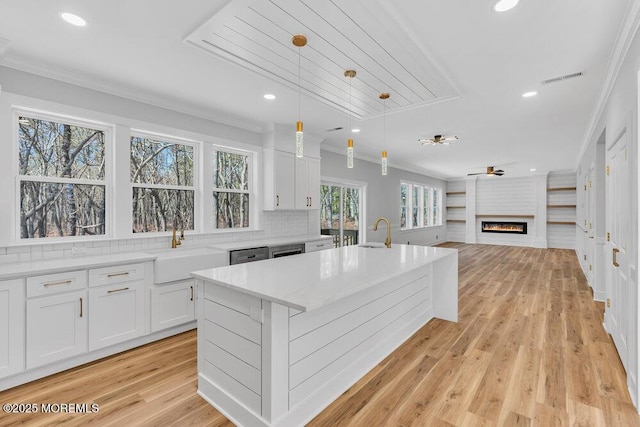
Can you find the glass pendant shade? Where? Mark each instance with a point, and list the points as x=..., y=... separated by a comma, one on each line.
x=350, y=153
x=299, y=140
x=384, y=163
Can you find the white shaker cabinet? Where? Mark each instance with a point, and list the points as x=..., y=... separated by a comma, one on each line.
x=307, y=183
x=278, y=180
x=56, y=327
x=11, y=327
x=116, y=304
x=172, y=304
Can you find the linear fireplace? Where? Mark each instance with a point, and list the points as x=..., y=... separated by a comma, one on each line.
x=504, y=227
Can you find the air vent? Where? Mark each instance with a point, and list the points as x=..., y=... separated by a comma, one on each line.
x=562, y=78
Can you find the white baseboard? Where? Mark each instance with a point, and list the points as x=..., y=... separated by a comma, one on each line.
x=62, y=365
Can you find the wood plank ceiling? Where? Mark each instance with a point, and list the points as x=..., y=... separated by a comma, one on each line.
x=341, y=34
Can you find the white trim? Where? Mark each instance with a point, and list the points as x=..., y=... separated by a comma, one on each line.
x=108, y=131
x=625, y=37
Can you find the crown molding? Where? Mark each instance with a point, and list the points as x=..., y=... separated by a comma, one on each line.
x=399, y=166
x=625, y=37
x=128, y=93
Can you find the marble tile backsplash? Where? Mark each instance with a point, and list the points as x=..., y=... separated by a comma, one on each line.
x=274, y=224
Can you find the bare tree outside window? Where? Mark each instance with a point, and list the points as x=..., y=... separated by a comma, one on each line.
x=162, y=178
x=61, y=179
x=231, y=189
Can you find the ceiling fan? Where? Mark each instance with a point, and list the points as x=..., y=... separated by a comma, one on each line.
x=490, y=172
x=438, y=140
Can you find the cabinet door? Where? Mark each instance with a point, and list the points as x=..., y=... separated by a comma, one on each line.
x=116, y=313
x=313, y=183
x=172, y=304
x=11, y=327
x=284, y=177
x=56, y=327
x=307, y=183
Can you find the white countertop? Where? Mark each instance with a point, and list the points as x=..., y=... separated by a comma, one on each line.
x=312, y=280
x=21, y=269
x=273, y=241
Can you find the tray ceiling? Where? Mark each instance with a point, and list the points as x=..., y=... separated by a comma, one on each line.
x=347, y=34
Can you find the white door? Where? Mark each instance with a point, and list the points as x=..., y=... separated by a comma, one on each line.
x=617, y=312
x=284, y=180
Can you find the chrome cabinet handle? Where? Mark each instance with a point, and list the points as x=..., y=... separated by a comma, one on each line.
x=277, y=200
x=80, y=306
x=117, y=290
x=62, y=282
x=191, y=293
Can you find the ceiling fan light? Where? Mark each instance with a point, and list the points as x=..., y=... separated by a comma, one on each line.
x=505, y=5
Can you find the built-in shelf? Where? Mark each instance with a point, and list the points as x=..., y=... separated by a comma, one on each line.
x=561, y=206
x=504, y=216
x=456, y=207
x=456, y=220
x=562, y=189
x=451, y=193
x=562, y=222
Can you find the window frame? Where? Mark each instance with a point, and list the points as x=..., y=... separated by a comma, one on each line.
x=171, y=139
x=433, y=211
x=107, y=182
x=250, y=191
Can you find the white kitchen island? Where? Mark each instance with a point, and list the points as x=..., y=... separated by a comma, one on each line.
x=280, y=339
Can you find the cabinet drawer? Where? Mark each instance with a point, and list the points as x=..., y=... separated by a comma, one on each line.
x=115, y=274
x=55, y=283
x=318, y=245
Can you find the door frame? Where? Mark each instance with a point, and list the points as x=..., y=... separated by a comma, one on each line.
x=362, y=186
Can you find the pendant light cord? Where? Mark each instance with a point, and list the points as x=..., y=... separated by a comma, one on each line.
x=299, y=82
x=350, y=107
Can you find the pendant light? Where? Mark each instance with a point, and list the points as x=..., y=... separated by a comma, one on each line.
x=350, y=74
x=299, y=41
x=384, y=96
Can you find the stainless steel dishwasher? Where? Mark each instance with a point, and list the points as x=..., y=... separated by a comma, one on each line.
x=241, y=256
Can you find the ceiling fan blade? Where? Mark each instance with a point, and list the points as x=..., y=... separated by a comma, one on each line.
x=499, y=173
x=481, y=173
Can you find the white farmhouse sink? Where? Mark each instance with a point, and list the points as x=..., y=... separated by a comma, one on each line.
x=177, y=264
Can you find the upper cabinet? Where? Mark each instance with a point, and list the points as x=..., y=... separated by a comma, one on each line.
x=290, y=182
x=307, y=183
x=279, y=175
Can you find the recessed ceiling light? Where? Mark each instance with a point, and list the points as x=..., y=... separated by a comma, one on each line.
x=355, y=130
x=269, y=96
x=504, y=5
x=532, y=169
x=73, y=19
x=529, y=94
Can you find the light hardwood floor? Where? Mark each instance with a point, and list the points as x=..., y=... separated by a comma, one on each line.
x=529, y=349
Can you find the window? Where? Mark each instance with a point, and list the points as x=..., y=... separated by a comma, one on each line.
x=162, y=179
x=423, y=203
x=62, y=182
x=231, y=189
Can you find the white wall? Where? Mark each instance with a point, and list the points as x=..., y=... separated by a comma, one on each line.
x=620, y=110
x=383, y=196
x=28, y=90
x=496, y=196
